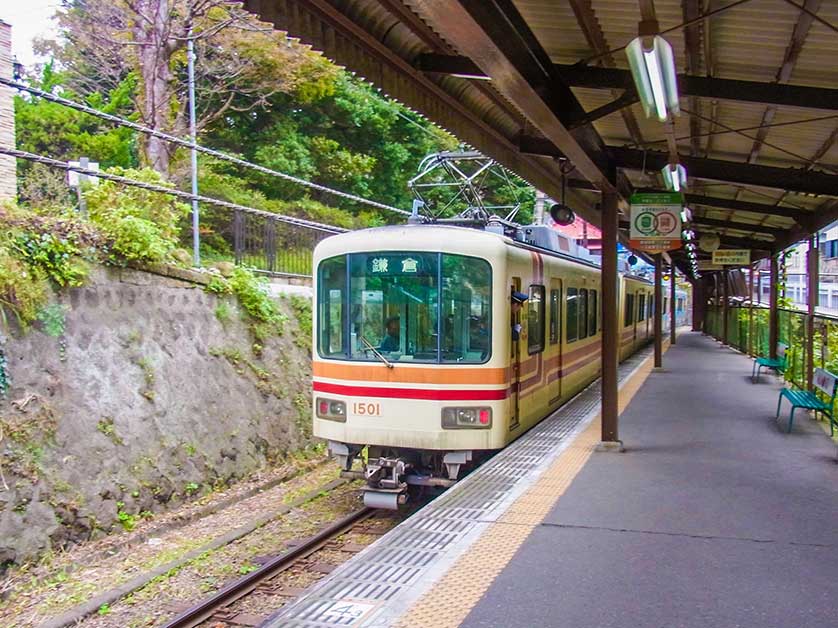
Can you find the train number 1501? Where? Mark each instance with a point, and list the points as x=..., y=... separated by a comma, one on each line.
x=366, y=409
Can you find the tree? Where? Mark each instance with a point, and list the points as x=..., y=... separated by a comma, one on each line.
x=240, y=62
x=47, y=128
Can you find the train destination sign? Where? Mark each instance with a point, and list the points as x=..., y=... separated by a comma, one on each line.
x=656, y=221
x=389, y=264
x=732, y=257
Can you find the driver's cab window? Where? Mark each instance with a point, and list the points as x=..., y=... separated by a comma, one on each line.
x=393, y=306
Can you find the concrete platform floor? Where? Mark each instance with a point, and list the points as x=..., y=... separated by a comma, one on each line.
x=713, y=517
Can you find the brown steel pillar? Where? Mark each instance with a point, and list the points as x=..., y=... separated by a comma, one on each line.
x=698, y=304
x=724, y=305
x=751, y=274
x=812, y=302
x=672, y=309
x=658, y=311
x=772, y=308
x=610, y=315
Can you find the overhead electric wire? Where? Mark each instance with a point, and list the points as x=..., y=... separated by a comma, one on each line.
x=202, y=149
x=56, y=163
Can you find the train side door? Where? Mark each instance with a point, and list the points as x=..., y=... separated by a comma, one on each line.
x=635, y=307
x=515, y=359
x=556, y=300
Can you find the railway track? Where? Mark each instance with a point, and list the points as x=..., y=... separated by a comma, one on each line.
x=215, y=607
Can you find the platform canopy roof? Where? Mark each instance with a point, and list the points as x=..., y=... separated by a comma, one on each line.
x=530, y=81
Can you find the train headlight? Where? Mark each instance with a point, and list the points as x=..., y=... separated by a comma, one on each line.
x=330, y=409
x=466, y=418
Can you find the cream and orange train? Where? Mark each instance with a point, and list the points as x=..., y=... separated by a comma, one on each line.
x=414, y=361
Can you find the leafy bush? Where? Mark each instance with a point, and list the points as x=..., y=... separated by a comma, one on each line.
x=260, y=307
x=140, y=225
x=22, y=290
x=56, y=257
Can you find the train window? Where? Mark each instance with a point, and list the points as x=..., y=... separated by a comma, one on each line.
x=628, y=316
x=332, y=315
x=535, y=320
x=572, y=316
x=394, y=306
x=641, y=307
x=583, y=313
x=592, y=312
x=466, y=309
x=555, y=316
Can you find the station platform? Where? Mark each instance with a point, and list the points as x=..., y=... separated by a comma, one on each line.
x=713, y=516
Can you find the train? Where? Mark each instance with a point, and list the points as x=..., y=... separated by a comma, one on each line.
x=421, y=365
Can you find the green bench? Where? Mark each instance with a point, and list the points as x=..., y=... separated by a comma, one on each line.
x=777, y=364
x=825, y=383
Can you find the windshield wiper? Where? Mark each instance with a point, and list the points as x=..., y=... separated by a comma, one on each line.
x=376, y=353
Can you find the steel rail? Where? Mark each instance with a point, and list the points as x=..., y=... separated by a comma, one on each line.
x=241, y=587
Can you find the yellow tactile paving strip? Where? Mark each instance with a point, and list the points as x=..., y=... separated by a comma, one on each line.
x=452, y=597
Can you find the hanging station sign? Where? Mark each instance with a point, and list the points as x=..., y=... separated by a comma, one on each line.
x=656, y=221
x=732, y=257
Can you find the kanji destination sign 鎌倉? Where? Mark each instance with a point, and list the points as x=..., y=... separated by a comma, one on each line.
x=656, y=221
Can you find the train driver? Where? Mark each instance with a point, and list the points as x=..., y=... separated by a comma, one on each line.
x=518, y=299
x=392, y=341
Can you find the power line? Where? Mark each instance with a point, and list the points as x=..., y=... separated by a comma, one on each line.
x=55, y=163
x=207, y=151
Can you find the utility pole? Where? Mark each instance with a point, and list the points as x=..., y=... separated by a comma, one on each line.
x=84, y=162
x=196, y=243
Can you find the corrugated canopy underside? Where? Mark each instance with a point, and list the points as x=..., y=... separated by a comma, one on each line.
x=740, y=145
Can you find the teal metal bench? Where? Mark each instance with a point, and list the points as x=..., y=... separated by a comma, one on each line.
x=825, y=383
x=776, y=364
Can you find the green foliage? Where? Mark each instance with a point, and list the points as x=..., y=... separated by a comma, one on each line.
x=140, y=225
x=52, y=129
x=23, y=291
x=347, y=137
x=264, y=312
x=191, y=488
x=106, y=427
x=52, y=319
x=218, y=285
x=222, y=312
x=126, y=520
x=5, y=377
x=302, y=309
x=55, y=257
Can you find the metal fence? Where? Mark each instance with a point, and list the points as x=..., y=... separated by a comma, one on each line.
x=272, y=246
x=747, y=330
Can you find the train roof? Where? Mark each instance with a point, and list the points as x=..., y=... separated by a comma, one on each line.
x=444, y=238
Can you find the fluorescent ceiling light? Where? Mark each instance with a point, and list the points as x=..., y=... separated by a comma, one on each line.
x=674, y=177
x=652, y=66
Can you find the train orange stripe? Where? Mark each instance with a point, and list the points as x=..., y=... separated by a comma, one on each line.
x=404, y=374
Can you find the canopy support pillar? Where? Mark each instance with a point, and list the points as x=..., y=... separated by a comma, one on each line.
x=753, y=271
x=698, y=304
x=672, y=302
x=772, y=308
x=658, y=311
x=812, y=302
x=725, y=299
x=610, y=328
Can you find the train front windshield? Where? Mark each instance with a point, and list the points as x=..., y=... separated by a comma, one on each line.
x=406, y=307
